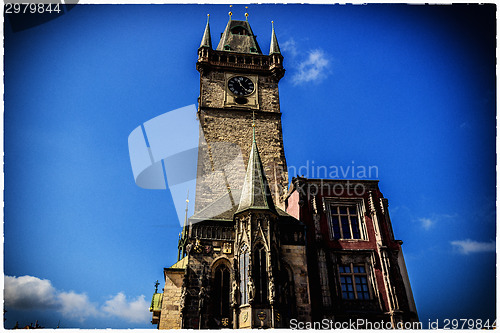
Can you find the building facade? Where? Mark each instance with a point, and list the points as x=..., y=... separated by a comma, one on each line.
x=257, y=254
x=352, y=254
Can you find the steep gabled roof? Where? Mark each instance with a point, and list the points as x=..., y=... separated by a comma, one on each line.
x=255, y=193
x=238, y=37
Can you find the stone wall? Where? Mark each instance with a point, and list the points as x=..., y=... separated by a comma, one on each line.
x=226, y=137
x=295, y=256
x=223, y=157
x=170, y=314
x=213, y=90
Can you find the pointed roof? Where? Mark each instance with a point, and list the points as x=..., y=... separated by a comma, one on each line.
x=255, y=193
x=238, y=37
x=206, y=41
x=274, y=43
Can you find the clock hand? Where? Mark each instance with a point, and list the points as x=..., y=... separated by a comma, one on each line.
x=246, y=87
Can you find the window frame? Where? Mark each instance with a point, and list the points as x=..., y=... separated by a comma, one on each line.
x=259, y=264
x=359, y=205
x=222, y=289
x=352, y=275
x=244, y=261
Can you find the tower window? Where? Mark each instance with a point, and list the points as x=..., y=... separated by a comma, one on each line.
x=221, y=291
x=344, y=222
x=260, y=274
x=239, y=30
x=244, y=263
x=354, y=282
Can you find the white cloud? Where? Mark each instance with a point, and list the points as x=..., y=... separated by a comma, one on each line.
x=312, y=69
x=135, y=311
x=426, y=223
x=469, y=246
x=76, y=306
x=31, y=293
x=289, y=47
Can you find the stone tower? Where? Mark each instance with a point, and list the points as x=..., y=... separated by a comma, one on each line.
x=242, y=258
x=237, y=82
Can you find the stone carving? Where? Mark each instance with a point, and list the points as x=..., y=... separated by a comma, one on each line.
x=201, y=299
x=182, y=303
x=234, y=294
x=251, y=290
x=272, y=291
x=370, y=202
x=197, y=247
x=189, y=247
x=314, y=205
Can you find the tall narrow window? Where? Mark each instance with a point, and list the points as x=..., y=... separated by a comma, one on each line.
x=260, y=274
x=354, y=282
x=344, y=222
x=244, y=263
x=222, y=291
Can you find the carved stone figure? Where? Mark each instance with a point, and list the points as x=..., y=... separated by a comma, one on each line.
x=234, y=294
x=189, y=247
x=251, y=290
x=201, y=299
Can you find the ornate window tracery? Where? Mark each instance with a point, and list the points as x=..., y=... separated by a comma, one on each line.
x=243, y=267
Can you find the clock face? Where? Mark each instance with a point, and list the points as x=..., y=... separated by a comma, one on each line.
x=240, y=85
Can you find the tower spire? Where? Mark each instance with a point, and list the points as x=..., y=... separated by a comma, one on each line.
x=184, y=235
x=206, y=41
x=238, y=37
x=274, y=42
x=255, y=193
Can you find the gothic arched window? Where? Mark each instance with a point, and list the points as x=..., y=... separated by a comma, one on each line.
x=260, y=273
x=222, y=291
x=244, y=263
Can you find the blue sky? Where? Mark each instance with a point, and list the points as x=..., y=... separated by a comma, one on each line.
x=408, y=89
